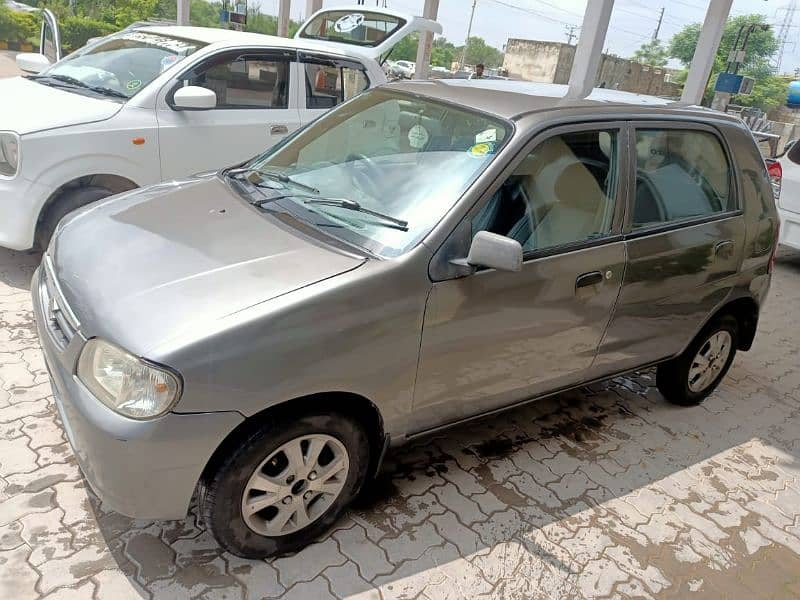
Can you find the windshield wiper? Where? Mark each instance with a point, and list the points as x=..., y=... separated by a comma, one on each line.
x=281, y=177
x=73, y=82
x=355, y=206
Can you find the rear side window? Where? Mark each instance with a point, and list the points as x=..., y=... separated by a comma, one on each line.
x=680, y=175
x=328, y=85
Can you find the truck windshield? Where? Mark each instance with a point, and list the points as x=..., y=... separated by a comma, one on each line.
x=121, y=64
x=386, y=166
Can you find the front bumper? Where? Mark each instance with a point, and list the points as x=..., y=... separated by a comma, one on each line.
x=20, y=203
x=142, y=469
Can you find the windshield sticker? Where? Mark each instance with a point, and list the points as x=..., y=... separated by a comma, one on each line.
x=348, y=23
x=168, y=61
x=133, y=84
x=165, y=43
x=483, y=149
x=490, y=135
x=418, y=137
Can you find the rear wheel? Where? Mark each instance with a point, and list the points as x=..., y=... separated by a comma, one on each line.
x=689, y=379
x=64, y=204
x=285, y=485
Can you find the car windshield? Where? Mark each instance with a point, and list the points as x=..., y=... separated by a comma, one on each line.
x=383, y=169
x=122, y=64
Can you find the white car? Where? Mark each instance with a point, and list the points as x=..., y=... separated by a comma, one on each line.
x=789, y=199
x=159, y=103
x=404, y=68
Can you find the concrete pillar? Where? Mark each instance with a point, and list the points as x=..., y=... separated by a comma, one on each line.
x=706, y=50
x=590, y=48
x=284, y=8
x=183, y=12
x=312, y=6
x=422, y=70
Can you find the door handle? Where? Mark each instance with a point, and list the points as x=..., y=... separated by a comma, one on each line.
x=723, y=249
x=278, y=130
x=588, y=279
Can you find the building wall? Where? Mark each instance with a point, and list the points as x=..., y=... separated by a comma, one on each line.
x=551, y=62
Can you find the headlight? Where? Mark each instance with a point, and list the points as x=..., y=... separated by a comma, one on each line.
x=125, y=383
x=9, y=153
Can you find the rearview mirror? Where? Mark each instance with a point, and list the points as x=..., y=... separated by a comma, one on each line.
x=32, y=62
x=794, y=154
x=193, y=97
x=495, y=252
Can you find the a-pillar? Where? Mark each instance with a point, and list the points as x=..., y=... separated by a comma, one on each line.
x=422, y=70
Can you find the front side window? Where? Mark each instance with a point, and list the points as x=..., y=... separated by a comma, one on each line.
x=680, y=175
x=328, y=85
x=382, y=170
x=244, y=81
x=562, y=193
x=120, y=65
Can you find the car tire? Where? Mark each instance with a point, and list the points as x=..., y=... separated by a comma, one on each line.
x=263, y=460
x=64, y=204
x=686, y=380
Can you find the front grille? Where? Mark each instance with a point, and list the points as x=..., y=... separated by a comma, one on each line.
x=61, y=321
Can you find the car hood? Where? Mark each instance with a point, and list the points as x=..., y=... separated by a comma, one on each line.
x=28, y=107
x=152, y=264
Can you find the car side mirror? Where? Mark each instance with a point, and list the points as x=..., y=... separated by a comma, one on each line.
x=495, y=252
x=32, y=62
x=193, y=97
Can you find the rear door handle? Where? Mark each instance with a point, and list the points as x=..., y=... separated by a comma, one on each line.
x=587, y=279
x=278, y=130
x=723, y=249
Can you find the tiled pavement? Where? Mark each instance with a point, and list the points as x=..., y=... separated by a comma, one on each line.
x=604, y=492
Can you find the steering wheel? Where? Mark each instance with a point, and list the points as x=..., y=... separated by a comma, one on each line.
x=365, y=173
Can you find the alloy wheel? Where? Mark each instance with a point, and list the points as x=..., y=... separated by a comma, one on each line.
x=710, y=360
x=295, y=485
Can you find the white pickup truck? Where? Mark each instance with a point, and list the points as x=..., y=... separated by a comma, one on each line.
x=158, y=103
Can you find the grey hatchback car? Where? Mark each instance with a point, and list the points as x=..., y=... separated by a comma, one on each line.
x=427, y=253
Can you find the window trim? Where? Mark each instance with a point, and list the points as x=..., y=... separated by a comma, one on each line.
x=623, y=183
x=304, y=58
x=290, y=56
x=636, y=125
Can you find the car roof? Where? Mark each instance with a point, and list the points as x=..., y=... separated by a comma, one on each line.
x=511, y=99
x=229, y=37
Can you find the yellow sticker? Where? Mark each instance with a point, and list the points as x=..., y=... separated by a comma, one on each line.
x=481, y=150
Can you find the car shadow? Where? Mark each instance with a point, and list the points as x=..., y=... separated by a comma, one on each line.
x=16, y=268
x=497, y=482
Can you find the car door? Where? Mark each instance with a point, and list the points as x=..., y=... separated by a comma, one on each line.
x=326, y=81
x=256, y=108
x=685, y=234
x=494, y=338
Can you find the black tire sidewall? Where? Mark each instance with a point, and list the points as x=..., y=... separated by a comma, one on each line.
x=221, y=503
x=63, y=205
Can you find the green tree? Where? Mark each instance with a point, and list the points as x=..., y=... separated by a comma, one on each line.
x=769, y=91
x=652, y=53
x=478, y=51
x=443, y=53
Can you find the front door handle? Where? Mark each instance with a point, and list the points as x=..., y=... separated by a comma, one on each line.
x=278, y=130
x=588, y=279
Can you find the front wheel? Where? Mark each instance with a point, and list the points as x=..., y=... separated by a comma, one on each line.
x=285, y=485
x=688, y=379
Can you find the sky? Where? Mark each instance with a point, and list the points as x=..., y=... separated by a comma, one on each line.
x=632, y=23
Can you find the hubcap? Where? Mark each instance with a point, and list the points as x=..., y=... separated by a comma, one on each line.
x=709, y=361
x=295, y=485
